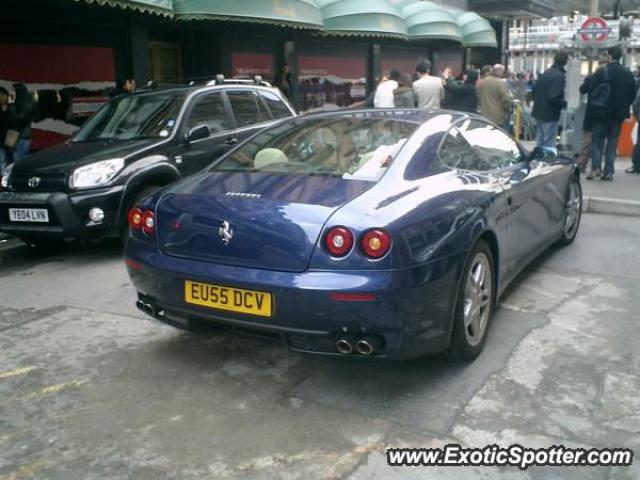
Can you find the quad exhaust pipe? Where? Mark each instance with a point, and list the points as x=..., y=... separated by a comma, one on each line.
x=147, y=308
x=365, y=346
x=344, y=346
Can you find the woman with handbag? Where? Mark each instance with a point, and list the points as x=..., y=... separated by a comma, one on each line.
x=21, y=113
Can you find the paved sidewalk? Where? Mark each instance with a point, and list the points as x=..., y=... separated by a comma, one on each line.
x=619, y=197
x=624, y=186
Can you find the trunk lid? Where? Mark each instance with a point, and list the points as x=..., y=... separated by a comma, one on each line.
x=255, y=220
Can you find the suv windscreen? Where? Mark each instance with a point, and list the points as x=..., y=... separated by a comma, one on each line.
x=350, y=148
x=131, y=117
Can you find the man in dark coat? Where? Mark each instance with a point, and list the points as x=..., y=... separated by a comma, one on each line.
x=549, y=102
x=463, y=97
x=607, y=124
x=587, y=126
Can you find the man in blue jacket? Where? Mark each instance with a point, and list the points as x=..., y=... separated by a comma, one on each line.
x=608, y=118
x=549, y=102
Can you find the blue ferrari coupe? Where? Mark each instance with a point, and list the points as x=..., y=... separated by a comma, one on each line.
x=387, y=233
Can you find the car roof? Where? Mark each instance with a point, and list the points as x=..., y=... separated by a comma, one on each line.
x=188, y=89
x=416, y=115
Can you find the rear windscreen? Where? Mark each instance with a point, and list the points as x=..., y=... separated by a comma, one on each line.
x=350, y=148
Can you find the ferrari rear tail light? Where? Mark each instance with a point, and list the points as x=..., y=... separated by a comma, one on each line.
x=148, y=222
x=339, y=241
x=135, y=218
x=376, y=243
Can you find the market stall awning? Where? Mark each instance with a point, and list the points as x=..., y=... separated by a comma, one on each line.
x=476, y=31
x=376, y=18
x=290, y=13
x=159, y=7
x=428, y=21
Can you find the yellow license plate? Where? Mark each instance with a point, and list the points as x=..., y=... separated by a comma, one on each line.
x=228, y=298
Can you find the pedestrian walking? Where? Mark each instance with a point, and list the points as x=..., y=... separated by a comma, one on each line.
x=549, y=101
x=584, y=156
x=403, y=96
x=485, y=72
x=464, y=97
x=5, y=153
x=612, y=92
x=494, y=98
x=429, y=90
x=21, y=113
x=124, y=87
x=384, y=93
x=284, y=81
x=635, y=159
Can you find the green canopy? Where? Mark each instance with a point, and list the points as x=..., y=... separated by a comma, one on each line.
x=290, y=13
x=405, y=19
x=376, y=18
x=426, y=20
x=159, y=7
x=476, y=31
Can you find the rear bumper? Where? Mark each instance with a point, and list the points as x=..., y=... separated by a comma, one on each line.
x=411, y=313
x=68, y=213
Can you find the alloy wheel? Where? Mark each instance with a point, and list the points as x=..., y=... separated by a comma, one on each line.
x=573, y=210
x=478, y=299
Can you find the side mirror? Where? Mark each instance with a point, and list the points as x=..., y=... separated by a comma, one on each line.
x=198, y=133
x=543, y=155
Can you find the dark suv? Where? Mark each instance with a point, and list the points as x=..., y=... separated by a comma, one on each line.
x=131, y=147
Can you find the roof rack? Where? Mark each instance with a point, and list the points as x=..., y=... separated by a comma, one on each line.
x=220, y=80
x=154, y=85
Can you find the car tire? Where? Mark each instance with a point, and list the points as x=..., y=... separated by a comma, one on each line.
x=145, y=192
x=573, y=212
x=474, y=305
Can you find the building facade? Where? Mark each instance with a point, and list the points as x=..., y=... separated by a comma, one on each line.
x=70, y=53
x=532, y=45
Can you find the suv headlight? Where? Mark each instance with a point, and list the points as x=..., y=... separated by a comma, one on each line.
x=96, y=174
x=6, y=177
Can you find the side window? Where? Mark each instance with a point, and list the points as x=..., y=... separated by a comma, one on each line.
x=209, y=109
x=246, y=109
x=455, y=152
x=494, y=148
x=276, y=105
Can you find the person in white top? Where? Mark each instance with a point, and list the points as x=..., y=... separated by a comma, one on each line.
x=429, y=90
x=384, y=92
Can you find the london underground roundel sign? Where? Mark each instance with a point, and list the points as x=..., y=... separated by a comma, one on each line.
x=595, y=29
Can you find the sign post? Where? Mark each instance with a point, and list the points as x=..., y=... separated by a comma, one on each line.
x=593, y=33
x=594, y=30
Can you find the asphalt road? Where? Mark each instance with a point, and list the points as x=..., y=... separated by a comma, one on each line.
x=90, y=390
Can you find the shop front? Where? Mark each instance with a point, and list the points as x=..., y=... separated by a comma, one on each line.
x=324, y=54
x=332, y=75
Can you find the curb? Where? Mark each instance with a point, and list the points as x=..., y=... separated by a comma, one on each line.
x=611, y=206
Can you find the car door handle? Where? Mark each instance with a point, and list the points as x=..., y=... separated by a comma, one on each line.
x=230, y=142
